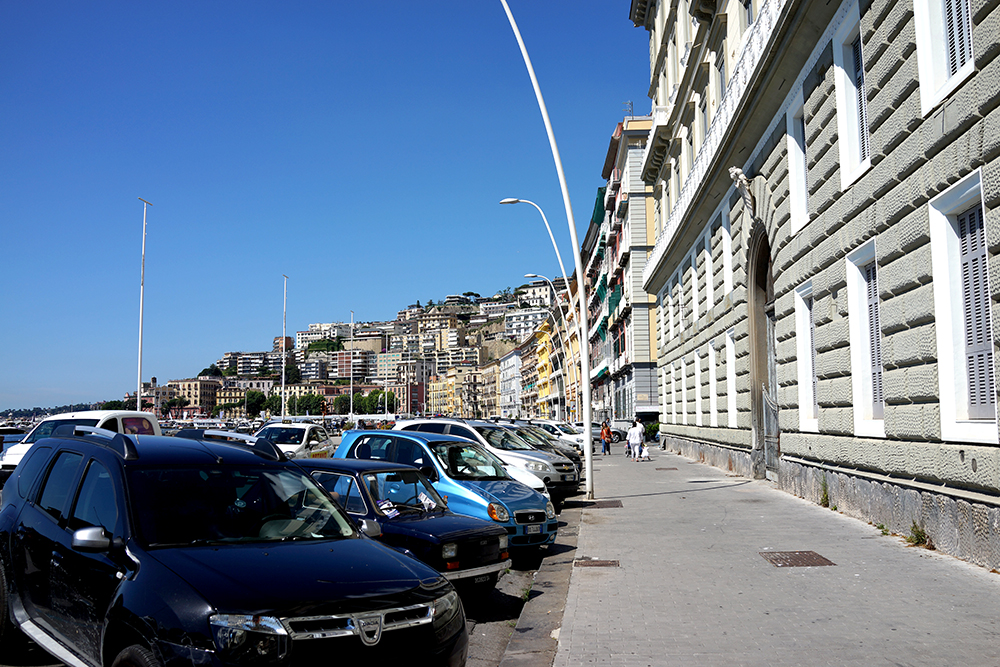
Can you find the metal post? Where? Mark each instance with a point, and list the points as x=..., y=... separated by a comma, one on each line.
x=142, y=285
x=351, y=356
x=284, y=308
x=584, y=351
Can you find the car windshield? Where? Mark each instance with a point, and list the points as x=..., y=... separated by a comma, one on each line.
x=539, y=433
x=45, y=429
x=398, y=491
x=531, y=438
x=468, y=462
x=283, y=435
x=567, y=429
x=501, y=438
x=223, y=504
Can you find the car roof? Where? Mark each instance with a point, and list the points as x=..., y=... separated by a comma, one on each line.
x=353, y=465
x=156, y=450
x=100, y=414
x=421, y=436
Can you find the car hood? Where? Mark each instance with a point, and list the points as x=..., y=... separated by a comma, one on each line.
x=299, y=578
x=439, y=527
x=513, y=494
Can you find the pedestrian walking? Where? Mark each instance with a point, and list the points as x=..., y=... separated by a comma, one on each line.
x=634, y=439
x=605, y=438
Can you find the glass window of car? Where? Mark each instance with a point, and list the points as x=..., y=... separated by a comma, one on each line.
x=343, y=489
x=317, y=435
x=96, y=504
x=462, y=432
x=195, y=506
x=427, y=427
x=59, y=484
x=30, y=467
x=501, y=438
x=46, y=428
x=531, y=438
x=137, y=425
x=409, y=453
x=468, y=461
x=402, y=490
x=282, y=435
x=372, y=447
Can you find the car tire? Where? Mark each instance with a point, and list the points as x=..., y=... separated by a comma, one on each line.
x=9, y=633
x=136, y=656
x=615, y=437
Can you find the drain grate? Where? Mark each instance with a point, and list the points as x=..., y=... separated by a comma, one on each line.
x=795, y=558
x=604, y=504
x=666, y=468
x=596, y=563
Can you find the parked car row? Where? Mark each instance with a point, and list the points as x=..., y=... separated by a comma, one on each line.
x=251, y=550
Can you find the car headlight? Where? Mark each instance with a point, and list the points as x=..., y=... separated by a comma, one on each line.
x=449, y=551
x=498, y=512
x=247, y=639
x=447, y=613
x=537, y=465
x=503, y=542
x=550, y=511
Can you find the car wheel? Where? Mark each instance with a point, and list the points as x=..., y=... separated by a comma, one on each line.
x=615, y=437
x=136, y=656
x=9, y=634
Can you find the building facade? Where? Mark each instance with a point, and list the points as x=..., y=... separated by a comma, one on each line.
x=825, y=182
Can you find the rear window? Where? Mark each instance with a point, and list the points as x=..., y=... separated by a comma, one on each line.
x=137, y=425
x=46, y=428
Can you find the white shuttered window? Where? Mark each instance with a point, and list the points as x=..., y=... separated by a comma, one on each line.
x=976, y=308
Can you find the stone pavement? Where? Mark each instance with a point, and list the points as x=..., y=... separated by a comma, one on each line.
x=691, y=586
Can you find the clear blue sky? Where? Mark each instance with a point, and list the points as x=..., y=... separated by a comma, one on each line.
x=359, y=148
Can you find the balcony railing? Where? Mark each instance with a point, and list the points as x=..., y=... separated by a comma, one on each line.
x=753, y=52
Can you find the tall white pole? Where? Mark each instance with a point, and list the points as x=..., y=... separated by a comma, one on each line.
x=563, y=342
x=284, y=309
x=351, y=353
x=584, y=338
x=142, y=286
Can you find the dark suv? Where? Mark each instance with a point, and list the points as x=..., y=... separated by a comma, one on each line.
x=150, y=550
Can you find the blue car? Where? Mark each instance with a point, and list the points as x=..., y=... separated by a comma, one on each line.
x=472, y=481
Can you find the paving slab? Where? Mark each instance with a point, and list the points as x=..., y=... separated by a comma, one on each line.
x=692, y=588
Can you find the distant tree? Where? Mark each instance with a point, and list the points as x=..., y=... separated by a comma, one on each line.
x=293, y=405
x=255, y=402
x=129, y=404
x=471, y=295
x=113, y=405
x=325, y=345
x=212, y=371
x=430, y=302
x=230, y=371
x=311, y=404
x=273, y=404
x=292, y=374
x=418, y=304
x=175, y=403
x=342, y=404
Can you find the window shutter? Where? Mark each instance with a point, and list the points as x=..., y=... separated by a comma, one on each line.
x=859, y=87
x=958, y=34
x=800, y=127
x=976, y=302
x=812, y=350
x=874, y=340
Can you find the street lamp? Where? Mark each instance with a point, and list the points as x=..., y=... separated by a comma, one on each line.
x=564, y=342
x=142, y=284
x=577, y=259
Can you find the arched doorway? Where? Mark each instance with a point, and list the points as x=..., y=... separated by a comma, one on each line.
x=763, y=374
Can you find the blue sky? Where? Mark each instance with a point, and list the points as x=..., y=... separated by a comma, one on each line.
x=359, y=148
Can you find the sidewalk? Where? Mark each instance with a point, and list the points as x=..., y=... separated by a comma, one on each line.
x=691, y=587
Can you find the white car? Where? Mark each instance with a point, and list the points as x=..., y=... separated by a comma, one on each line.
x=118, y=421
x=295, y=438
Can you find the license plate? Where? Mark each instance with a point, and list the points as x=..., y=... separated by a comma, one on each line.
x=481, y=579
x=533, y=529
x=569, y=478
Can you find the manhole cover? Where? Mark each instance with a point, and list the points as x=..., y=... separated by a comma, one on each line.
x=604, y=504
x=795, y=558
x=666, y=468
x=595, y=563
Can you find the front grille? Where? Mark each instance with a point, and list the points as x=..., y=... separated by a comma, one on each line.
x=537, y=516
x=565, y=468
x=345, y=625
x=479, y=551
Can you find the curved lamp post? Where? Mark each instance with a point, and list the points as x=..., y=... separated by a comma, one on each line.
x=142, y=285
x=578, y=261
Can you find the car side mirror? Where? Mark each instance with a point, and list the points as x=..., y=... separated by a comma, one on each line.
x=429, y=472
x=371, y=528
x=91, y=539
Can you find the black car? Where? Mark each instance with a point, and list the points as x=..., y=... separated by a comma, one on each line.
x=151, y=550
x=468, y=551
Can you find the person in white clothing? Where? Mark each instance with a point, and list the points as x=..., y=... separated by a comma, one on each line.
x=634, y=439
